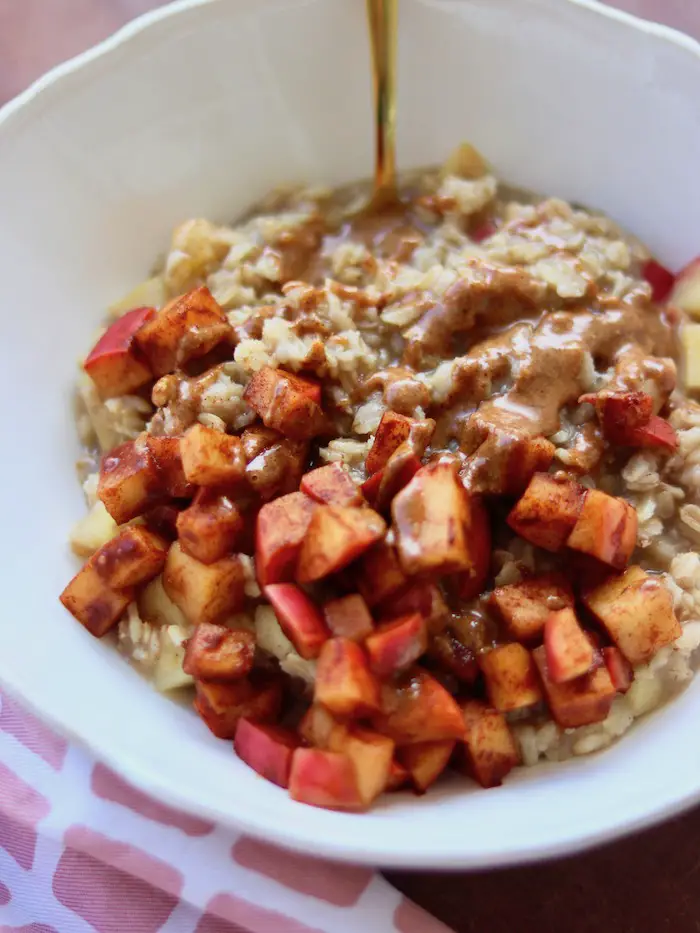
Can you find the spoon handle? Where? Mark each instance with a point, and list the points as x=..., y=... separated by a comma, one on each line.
x=382, y=16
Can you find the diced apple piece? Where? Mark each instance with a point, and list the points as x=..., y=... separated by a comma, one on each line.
x=394, y=646
x=690, y=345
x=266, y=749
x=619, y=668
x=299, y=617
x=393, y=430
x=166, y=452
x=324, y=779
x=316, y=726
x=94, y=604
x=217, y=653
x=425, y=762
x=331, y=485
x=656, y=433
x=344, y=682
x=525, y=606
x=204, y=592
x=399, y=776
x=371, y=755
x=278, y=469
x=210, y=457
x=162, y=521
x=115, y=364
x=431, y=520
x=135, y=556
x=349, y=617
x=335, y=537
x=686, y=291
x=92, y=531
x=151, y=292
x=472, y=582
x=606, y=529
x=628, y=419
x=578, y=702
x=129, y=481
x=380, y=574
x=547, y=511
x=569, y=651
x=287, y=403
x=258, y=438
x=636, y=609
x=419, y=709
x=186, y=328
x=222, y=706
x=454, y=656
x=490, y=749
x=371, y=487
x=511, y=678
x=281, y=527
x=660, y=279
x=423, y=598
x=209, y=529
x=398, y=472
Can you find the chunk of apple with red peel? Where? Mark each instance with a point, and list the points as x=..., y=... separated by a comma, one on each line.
x=525, y=607
x=619, y=668
x=372, y=755
x=94, y=604
x=686, y=291
x=266, y=749
x=129, y=480
x=379, y=573
x=425, y=762
x=299, y=617
x=222, y=706
x=324, y=779
x=662, y=281
x=569, y=651
x=211, y=458
x=316, y=726
x=578, y=702
x=395, y=645
x=399, y=776
x=218, y=653
x=349, y=617
x=392, y=432
x=344, y=683
x=336, y=536
x=286, y=403
x=115, y=364
x=281, y=527
x=187, y=328
x=511, y=678
x=370, y=488
x=656, y=433
x=490, y=751
x=418, y=709
x=209, y=529
x=332, y=485
x=470, y=583
x=547, y=511
x=628, y=419
x=423, y=598
x=431, y=521
x=166, y=452
x=134, y=556
x=399, y=470
x=203, y=592
x=454, y=656
x=606, y=529
x=636, y=609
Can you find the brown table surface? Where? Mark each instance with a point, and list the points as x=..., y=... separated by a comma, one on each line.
x=649, y=883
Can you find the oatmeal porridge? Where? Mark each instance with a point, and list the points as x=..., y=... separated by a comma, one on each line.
x=401, y=493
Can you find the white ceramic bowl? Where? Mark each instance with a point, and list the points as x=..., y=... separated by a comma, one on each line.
x=197, y=110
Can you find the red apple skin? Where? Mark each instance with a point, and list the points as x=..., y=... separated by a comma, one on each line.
x=656, y=433
x=114, y=364
x=660, y=279
x=266, y=749
x=299, y=617
x=394, y=646
x=279, y=531
x=569, y=652
x=324, y=779
x=619, y=668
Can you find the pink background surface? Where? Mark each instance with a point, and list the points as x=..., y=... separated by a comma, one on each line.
x=647, y=884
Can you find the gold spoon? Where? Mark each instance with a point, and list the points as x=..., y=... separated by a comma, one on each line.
x=382, y=17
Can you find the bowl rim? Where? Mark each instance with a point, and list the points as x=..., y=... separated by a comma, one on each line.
x=381, y=851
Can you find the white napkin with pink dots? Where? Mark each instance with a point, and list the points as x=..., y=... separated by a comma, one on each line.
x=82, y=851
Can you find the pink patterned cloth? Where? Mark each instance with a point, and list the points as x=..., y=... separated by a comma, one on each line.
x=83, y=851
